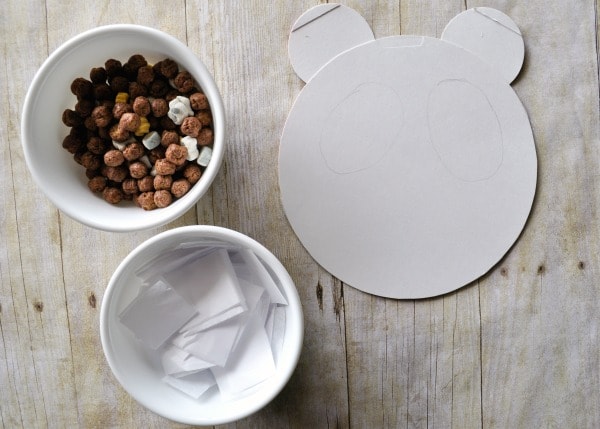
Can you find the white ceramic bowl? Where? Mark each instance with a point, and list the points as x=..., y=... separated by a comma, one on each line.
x=42, y=130
x=140, y=375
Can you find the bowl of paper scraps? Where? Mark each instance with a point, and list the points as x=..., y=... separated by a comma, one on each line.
x=202, y=325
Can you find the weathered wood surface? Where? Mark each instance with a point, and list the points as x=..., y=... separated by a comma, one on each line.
x=518, y=348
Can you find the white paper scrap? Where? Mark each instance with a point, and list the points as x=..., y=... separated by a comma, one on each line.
x=208, y=284
x=156, y=313
x=215, y=344
x=278, y=333
x=169, y=261
x=177, y=362
x=250, y=363
x=193, y=385
x=247, y=266
x=201, y=323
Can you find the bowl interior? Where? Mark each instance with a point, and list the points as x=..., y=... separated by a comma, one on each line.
x=140, y=373
x=54, y=169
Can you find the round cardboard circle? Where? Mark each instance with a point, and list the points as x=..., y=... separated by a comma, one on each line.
x=407, y=167
x=321, y=33
x=492, y=36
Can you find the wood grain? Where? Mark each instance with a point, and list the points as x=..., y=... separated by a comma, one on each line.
x=517, y=348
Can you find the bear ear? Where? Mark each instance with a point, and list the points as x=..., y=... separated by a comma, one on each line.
x=492, y=36
x=323, y=32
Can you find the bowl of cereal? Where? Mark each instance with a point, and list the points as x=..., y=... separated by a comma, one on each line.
x=123, y=128
x=202, y=325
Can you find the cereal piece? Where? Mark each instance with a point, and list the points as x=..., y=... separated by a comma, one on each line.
x=167, y=124
x=90, y=174
x=167, y=68
x=96, y=145
x=141, y=106
x=204, y=157
x=176, y=154
x=130, y=121
x=192, y=173
x=103, y=133
x=98, y=75
x=113, y=68
x=90, y=124
x=130, y=186
x=82, y=88
x=180, y=187
x=146, y=184
x=114, y=158
x=164, y=167
x=119, y=84
x=138, y=169
x=172, y=94
x=121, y=108
x=90, y=161
x=162, y=182
x=136, y=61
x=179, y=109
x=205, y=137
x=145, y=75
x=102, y=116
x=199, y=101
x=116, y=174
x=72, y=143
x=162, y=198
x=143, y=128
x=191, y=126
x=157, y=153
x=154, y=122
x=159, y=107
x=205, y=117
x=136, y=90
x=158, y=88
x=103, y=92
x=184, y=81
x=84, y=107
x=151, y=140
x=191, y=145
x=71, y=119
x=169, y=137
x=146, y=200
x=112, y=195
x=118, y=134
x=122, y=97
x=133, y=151
x=97, y=183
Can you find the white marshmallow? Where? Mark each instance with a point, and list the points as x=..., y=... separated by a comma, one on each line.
x=179, y=109
x=192, y=147
x=151, y=140
x=204, y=157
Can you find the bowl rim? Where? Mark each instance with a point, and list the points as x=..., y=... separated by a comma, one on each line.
x=158, y=217
x=286, y=368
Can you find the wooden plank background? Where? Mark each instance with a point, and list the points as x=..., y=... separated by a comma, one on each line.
x=518, y=348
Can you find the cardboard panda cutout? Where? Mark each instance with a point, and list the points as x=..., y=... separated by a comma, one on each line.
x=407, y=164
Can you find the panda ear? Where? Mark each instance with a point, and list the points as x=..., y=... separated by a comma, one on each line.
x=323, y=32
x=492, y=36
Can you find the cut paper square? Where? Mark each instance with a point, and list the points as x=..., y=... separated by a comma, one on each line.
x=194, y=385
x=156, y=313
x=215, y=344
x=177, y=362
x=201, y=323
x=278, y=333
x=250, y=363
x=209, y=284
x=248, y=267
